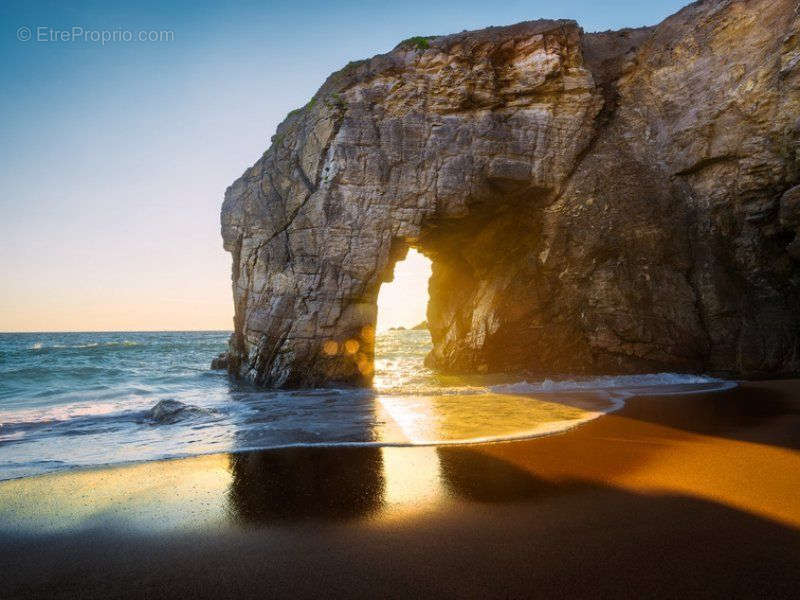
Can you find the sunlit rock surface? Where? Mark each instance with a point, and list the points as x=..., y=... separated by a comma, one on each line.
x=592, y=203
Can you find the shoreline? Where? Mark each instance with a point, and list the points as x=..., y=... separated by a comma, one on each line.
x=673, y=495
x=614, y=398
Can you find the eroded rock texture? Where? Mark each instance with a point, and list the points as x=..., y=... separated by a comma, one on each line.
x=592, y=203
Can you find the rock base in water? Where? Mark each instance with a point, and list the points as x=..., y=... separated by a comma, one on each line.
x=221, y=362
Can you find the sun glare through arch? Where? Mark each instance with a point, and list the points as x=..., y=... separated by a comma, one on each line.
x=403, y=301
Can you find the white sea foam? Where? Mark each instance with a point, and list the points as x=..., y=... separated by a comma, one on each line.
x=40, y=346
x=643, y=383
x=62, y=412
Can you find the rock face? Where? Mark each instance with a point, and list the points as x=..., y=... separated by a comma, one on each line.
x=592, y=203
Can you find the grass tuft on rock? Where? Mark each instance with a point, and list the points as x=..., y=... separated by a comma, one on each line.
x=417, y=42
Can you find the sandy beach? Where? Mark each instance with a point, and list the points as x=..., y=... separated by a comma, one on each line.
x=671, y=497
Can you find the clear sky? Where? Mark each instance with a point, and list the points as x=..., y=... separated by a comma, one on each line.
x=115, y=156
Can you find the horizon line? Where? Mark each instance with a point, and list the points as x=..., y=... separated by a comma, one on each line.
x=120, y=331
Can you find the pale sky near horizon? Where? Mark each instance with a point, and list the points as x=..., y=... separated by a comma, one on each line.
x=115, y=156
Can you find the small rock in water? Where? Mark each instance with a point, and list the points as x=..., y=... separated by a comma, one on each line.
x=172, y=411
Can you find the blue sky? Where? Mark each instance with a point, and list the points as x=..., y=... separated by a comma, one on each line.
x=115, y=157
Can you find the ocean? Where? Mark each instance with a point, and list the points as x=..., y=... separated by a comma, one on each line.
x=70, y=400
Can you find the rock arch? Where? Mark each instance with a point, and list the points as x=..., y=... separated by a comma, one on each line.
x=582, y=212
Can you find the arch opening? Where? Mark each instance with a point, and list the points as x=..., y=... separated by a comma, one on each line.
x=403, y=300
x=402, y=338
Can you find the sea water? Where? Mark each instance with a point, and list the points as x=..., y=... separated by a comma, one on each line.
x=83, y=399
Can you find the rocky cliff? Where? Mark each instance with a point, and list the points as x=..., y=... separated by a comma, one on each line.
x=592, y=203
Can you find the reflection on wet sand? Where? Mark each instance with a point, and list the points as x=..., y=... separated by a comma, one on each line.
x=325, y=484
x=292, y=484
x=299, y=483
x=288, y=485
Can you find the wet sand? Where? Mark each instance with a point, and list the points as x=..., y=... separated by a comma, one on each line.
x=671, y=497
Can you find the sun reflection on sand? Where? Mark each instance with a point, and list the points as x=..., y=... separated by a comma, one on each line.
x=653, y=458
x=156, y=495
x=412, y=481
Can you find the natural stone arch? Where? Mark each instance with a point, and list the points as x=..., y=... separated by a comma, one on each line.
x=564, y=236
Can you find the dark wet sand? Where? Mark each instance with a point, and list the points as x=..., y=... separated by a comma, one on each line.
x=673, y=497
